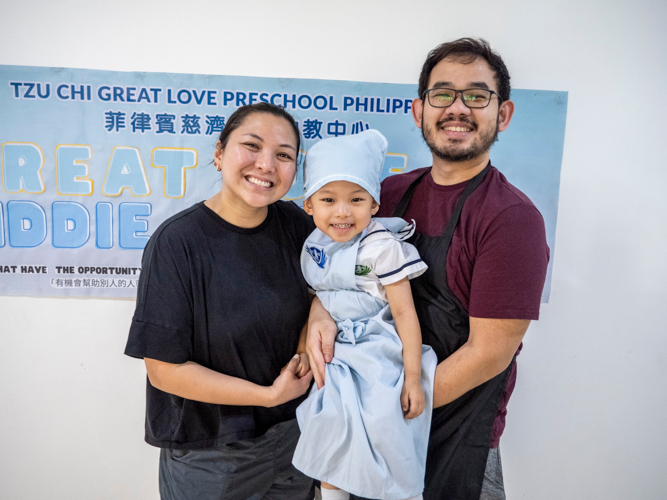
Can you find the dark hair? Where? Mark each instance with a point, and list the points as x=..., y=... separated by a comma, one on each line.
x=467, y=50
x=238, y=117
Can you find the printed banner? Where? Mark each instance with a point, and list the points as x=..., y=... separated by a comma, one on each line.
x=93, y=161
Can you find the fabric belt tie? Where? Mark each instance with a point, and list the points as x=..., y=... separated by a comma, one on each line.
x=349, y=331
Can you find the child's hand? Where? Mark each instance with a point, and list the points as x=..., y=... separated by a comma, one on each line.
x=412, y=399
x=288, y=385
x=304, y=365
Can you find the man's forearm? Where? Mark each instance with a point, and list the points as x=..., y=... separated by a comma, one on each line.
x=489, y=350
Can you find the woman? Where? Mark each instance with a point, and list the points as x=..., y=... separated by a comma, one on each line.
x=220, y=305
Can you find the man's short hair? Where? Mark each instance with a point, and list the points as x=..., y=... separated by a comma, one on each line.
x=466, y=51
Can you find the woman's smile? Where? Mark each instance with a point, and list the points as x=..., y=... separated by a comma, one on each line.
x=258, y=182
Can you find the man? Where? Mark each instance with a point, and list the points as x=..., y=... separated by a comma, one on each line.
x=485, y=244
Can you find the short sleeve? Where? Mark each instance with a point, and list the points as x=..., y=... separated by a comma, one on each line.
x=511, y=266
x=162, y=326
x=304, y=226
x=395, y=260
x=300, y=224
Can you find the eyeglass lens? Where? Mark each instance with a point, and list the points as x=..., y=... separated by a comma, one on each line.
x=473, y=98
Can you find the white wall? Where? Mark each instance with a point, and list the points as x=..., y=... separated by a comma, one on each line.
x=587, y=417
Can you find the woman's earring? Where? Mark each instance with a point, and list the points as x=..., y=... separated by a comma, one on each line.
x=218, y=168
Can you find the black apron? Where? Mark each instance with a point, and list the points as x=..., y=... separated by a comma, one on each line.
x=461, y=430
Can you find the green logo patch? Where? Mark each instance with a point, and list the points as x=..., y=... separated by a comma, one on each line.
x=361, y=270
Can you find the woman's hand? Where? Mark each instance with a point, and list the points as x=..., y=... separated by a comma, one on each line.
x=412, y=399
x=289, y=385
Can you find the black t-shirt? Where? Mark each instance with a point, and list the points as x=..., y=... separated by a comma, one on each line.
x=231, y=299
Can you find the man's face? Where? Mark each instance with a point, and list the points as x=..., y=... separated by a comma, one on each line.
x=458, y=133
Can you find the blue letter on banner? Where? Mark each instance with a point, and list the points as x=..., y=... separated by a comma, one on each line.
x=104, y=224
x=174, y=161
x=26, y=222
x=125, y=171
x=71, y=170
x=21, y=165
x=2, y=227
x=129, y=225
x=70, y=224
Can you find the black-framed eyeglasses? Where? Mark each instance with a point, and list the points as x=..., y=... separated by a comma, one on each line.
x=473, y=98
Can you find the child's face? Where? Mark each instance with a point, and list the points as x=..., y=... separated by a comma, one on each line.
x=341, y=209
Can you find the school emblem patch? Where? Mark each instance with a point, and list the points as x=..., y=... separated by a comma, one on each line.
x=318, y=255
x=361, y=270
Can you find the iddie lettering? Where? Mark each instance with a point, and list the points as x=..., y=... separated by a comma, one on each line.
x=71, y=224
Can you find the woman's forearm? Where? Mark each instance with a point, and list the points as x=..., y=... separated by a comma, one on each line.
x=196, y=382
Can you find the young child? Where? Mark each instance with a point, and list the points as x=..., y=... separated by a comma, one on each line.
x=366, y=431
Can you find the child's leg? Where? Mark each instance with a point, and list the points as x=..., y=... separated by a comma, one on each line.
x=330, y=492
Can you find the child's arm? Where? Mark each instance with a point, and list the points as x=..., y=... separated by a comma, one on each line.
x=402, y=308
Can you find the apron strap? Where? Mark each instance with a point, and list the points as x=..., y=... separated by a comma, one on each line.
x=456, y=214
x=448, y=232
x=407, y=196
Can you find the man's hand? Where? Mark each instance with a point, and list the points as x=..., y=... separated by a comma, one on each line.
x=322, y=333
x=412, y=399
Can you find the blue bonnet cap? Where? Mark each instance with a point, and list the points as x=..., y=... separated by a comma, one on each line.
x=356, y=158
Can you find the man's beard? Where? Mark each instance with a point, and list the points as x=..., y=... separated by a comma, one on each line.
x=452, y=153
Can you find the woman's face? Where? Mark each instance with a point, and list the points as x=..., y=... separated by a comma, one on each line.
x=259, y=161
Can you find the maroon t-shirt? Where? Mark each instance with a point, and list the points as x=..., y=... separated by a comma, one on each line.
x=497, y=262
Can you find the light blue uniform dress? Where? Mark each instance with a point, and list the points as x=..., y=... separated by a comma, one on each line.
x=353, y=433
